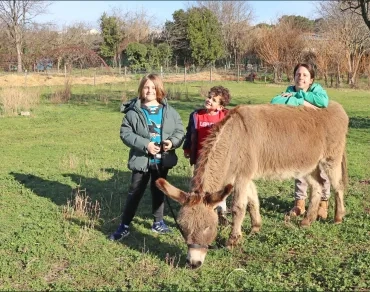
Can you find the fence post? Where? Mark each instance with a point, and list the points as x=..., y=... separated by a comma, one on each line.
x=65, y=71
x=238, y=72
x=161, y=72
x=210, y=74
x=94, y=76
x=184, y=74
x=25, y=77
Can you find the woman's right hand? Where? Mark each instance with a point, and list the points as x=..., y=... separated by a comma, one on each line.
x=152, y=148
x=286, y=94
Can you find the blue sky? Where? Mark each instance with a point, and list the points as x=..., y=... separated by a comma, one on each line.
x=69, y=12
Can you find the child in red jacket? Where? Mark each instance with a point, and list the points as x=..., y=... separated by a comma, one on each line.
x=200, y=123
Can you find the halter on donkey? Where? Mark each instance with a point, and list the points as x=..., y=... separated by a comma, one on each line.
x=260, y=141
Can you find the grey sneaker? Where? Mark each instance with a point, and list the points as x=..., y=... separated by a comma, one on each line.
x=160, y=227
x=121, y=232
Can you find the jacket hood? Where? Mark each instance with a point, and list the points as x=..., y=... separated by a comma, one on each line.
x=135, y=103
x=128, y=105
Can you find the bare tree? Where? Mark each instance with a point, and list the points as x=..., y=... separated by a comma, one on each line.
x=280, y=47
x=360, y=7
x=135, y=26
x=38, y=40
x=349, y=30
x=78, y=38
x=16, y=15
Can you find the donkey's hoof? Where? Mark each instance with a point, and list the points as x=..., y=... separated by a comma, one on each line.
x=305, y=223
x=255, y=230
x=338, y=220
x=233, y=240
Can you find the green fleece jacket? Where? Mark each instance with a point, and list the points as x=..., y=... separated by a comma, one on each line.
x=134, y=132
x=315, y=95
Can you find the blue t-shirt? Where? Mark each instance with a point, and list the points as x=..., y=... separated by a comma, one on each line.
x=153, y=115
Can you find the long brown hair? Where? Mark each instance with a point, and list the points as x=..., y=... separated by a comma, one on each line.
x=159, y=87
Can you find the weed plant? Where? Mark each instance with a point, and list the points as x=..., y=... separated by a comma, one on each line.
x=13, y=100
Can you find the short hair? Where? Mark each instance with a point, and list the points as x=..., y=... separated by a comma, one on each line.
x=308, y=66
x=223, y=92
x=159, y=87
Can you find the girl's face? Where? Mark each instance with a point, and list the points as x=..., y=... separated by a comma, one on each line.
x=212, y=103
x=148, y=94
x=302, y=79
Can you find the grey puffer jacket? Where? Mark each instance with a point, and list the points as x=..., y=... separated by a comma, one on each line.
x=135, y=132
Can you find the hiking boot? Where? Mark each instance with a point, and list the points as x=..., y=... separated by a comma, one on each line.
x=121, y=232
x=160, y=227
x=322, y=213
x=298, y=209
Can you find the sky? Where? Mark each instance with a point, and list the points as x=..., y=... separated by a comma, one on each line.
x=70, y=12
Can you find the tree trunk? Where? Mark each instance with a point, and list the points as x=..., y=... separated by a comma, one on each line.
x=18, y=44
x=275, y=74
x=326, y=79
x=339, y=80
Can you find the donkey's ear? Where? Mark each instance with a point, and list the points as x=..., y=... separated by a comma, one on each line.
x=171, y=191
x=215, y=198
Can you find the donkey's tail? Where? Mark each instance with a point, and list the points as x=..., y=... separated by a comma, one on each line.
x=344, y=170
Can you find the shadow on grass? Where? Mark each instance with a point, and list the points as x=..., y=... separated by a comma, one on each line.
x=276, y=204
x=359, y=123
x=112, y=102
x=111, y=194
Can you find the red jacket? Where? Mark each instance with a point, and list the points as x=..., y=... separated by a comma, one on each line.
x=199, y=126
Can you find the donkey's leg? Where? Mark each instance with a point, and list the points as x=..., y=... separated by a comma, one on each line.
x=334, y=172
x=254, y=208
x=240, y=201
x=315, y=196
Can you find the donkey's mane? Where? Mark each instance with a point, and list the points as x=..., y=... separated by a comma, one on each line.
x=208, y=146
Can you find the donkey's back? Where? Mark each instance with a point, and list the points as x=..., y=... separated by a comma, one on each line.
x=284, y=141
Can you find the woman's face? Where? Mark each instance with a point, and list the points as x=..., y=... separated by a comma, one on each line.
x=302, y=79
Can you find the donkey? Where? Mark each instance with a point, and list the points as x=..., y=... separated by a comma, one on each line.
x=260, y=141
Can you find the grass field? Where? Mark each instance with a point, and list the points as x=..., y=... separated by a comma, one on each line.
x=63, y=180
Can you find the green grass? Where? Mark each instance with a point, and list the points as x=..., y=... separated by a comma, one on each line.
x=45, y=156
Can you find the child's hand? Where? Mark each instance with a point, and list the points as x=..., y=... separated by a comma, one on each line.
x=152, y=148
x=167, y=145
x=286, y=94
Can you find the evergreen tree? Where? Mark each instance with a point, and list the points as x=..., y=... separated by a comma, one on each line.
x=112, y=36
x=136, y=56
x=205, y=38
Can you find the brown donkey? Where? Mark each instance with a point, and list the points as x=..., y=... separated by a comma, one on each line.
x=260, y=141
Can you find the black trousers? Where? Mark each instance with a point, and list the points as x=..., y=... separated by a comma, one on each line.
x=139, y=181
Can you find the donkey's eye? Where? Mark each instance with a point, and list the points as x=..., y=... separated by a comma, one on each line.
x=206, y=230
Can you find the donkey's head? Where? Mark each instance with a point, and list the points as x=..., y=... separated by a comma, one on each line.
x=197, y=218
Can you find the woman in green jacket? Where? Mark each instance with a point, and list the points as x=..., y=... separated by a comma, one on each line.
x=150, y=128
x=307, y=93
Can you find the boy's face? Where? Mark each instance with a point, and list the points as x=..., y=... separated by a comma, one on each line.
x=212, y=102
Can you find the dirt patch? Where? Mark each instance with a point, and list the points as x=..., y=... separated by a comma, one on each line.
x=202, y=76
x=36, y=79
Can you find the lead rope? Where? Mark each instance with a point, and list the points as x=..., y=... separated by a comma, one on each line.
x=170, y=207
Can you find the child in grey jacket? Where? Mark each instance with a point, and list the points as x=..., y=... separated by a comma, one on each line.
x=150, y=127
